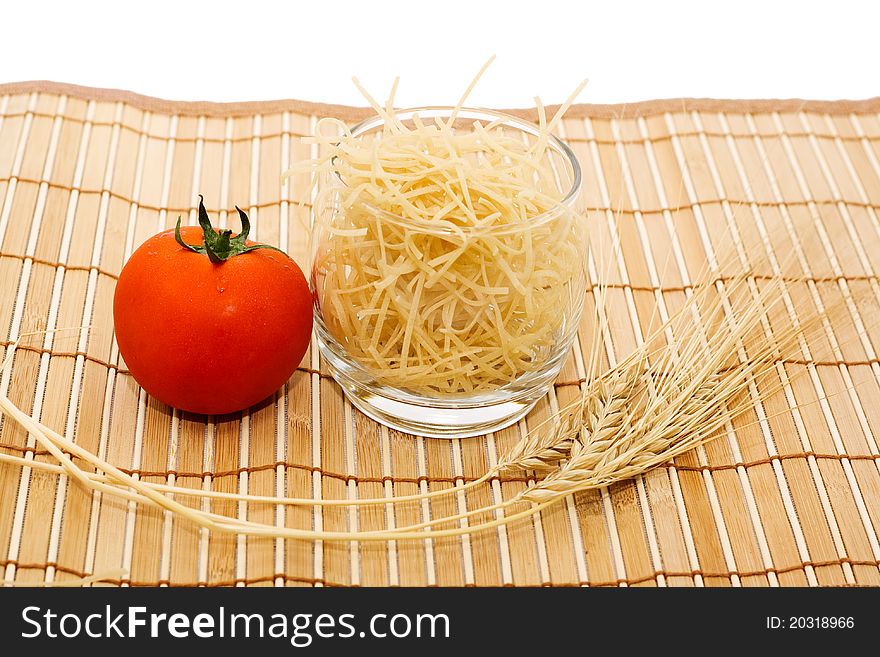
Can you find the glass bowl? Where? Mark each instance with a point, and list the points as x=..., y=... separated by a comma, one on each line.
x=355, y=340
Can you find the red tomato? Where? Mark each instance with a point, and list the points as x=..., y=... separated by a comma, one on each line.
x=211, y=337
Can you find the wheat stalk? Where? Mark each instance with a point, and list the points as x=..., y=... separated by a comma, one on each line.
x=685, y=399
x=615, y=451
x=543, y=447
x=601, y=404
x=655, y=404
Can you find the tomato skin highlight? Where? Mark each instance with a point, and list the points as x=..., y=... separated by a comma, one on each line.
x=210, y=338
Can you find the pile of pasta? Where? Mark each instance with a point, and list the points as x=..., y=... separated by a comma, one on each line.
x=449, y=249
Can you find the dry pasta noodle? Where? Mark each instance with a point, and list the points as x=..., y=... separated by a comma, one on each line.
x=450, y=247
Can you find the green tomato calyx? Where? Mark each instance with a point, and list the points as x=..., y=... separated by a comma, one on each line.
x=220, y=245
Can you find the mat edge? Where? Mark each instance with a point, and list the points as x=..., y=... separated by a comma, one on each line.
x=581, y=110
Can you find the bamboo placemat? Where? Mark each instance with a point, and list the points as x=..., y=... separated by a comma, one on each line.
x=86, y=175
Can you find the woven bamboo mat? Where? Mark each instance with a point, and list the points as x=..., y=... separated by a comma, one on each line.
x=86, y=175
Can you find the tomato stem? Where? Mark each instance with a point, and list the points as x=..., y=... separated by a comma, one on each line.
x=219, y=246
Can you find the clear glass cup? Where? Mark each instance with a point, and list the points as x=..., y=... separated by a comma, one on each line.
x=447, y=409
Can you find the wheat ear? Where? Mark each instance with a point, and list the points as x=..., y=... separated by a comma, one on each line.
x=601, y=403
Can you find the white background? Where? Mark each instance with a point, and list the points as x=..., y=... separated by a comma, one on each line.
x=257, y=49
